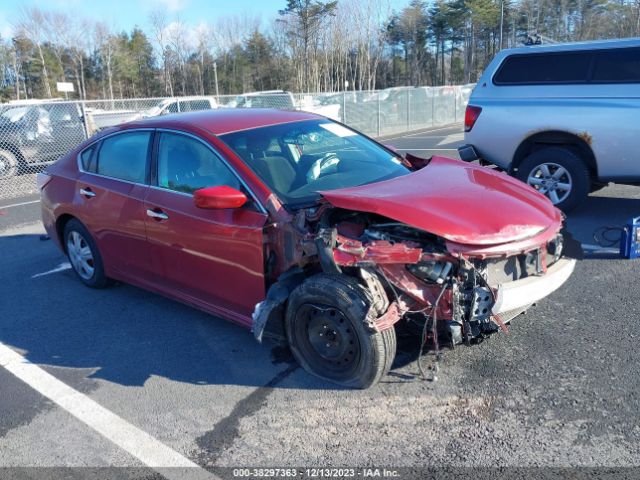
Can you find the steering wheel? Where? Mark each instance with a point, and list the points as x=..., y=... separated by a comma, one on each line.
x=323, y=166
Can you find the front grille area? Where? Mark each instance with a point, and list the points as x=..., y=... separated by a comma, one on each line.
x=514, y=268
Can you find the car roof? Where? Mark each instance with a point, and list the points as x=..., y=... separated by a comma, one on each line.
x=225, y=120
x=569, y=46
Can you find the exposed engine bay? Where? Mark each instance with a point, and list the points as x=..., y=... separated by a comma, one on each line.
x=411, y=274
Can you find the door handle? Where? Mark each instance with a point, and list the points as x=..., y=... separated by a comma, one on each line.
x=87, y=192
x=158, y=215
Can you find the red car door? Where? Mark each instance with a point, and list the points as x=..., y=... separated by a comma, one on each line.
x=109, y=200
x=210, y=258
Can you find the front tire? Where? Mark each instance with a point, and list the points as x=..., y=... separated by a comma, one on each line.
x=326, y=328
x=559, y=174
x=84, y=255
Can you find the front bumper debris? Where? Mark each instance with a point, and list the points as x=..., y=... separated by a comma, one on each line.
x=520, y=294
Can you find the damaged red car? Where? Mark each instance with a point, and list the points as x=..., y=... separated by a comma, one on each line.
x=305, y=230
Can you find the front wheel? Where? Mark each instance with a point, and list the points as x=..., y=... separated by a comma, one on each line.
x=325, y=325
x=559, y=174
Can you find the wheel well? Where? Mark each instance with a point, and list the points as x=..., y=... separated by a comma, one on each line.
x=13, y=149
x=61, y=222
x=579, y=144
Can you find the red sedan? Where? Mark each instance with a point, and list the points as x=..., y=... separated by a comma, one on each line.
x=305, y=230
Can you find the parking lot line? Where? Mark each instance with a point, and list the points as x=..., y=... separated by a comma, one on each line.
x=136, y=442
x=60, y=268
x=19, y=204
x=423, y=132
x=428, y=149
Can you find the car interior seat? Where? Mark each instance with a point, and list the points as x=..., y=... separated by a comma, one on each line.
x=274, y=168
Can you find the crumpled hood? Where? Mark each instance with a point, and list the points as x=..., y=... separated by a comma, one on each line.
x=461, y=202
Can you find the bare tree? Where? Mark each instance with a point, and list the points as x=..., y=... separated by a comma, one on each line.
x=106, y=47
x=159, y=24
x=32, y=25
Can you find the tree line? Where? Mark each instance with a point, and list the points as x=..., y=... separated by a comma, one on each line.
x=308, y=46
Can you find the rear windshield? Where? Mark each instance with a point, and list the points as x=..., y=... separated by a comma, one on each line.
x=620, y=65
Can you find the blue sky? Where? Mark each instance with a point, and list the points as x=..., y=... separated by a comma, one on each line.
x=124, y=14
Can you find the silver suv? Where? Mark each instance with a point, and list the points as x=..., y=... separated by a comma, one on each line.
x=562, y=118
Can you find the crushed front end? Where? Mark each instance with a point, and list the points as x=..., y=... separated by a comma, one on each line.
x=467, y=290
x=473, y=290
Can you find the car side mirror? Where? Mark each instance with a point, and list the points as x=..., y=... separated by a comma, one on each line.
x=219, y=197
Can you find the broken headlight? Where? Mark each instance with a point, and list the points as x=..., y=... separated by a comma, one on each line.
x=431, y=271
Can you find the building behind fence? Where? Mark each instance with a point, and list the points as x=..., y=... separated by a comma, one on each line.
x=35, y=133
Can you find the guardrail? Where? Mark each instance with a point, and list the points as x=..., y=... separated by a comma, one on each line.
x=35, y=133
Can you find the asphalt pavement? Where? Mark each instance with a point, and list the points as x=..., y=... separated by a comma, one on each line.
x=561, y=389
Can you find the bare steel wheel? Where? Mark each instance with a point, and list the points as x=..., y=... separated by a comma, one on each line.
x=330, y=336
x=83, y=254
x=558, y=173
x=327, y=325
x=551, y=179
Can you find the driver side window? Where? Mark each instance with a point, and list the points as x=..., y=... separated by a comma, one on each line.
x=186, y=165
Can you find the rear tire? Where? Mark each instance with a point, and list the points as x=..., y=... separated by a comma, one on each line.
x=8, y=164
x=559, y=174
x=326, y=328
x=84, y=255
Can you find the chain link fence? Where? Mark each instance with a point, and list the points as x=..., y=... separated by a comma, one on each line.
x=35, y=133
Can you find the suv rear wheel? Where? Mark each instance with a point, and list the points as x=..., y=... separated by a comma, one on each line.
x=559, y=174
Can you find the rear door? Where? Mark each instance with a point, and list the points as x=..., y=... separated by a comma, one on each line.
x=210, y=258
x=110, y=194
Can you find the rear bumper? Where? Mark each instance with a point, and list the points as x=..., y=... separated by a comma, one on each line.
x=520, y=294
x=468, y=153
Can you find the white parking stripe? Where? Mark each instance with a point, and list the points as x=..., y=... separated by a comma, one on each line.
x=141, y=445
x=2, y=207
x=60, y=268
x=427, y=149
x=423, y=132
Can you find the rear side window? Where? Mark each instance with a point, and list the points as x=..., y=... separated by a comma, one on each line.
x=124, y=156
x=617, y=66
x=86, y=158
x=544, y=69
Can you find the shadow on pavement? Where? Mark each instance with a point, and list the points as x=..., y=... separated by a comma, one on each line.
x=124, y=334
x=602, y=212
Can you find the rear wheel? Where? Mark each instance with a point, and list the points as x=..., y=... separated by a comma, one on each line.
x=559, y=174
x=84, y=256
x=325, y=324
x=8, y=164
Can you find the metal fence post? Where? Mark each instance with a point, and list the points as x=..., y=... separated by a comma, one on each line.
x=455, y=104
x=408, y=110
x=344, y=107
x=378, y=98
x=433, y=108
x=85, y=120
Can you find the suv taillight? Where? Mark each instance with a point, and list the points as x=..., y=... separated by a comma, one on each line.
x=471, y=114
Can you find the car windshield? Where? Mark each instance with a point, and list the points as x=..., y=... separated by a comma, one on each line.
x=15, y=114
x=299, y=159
